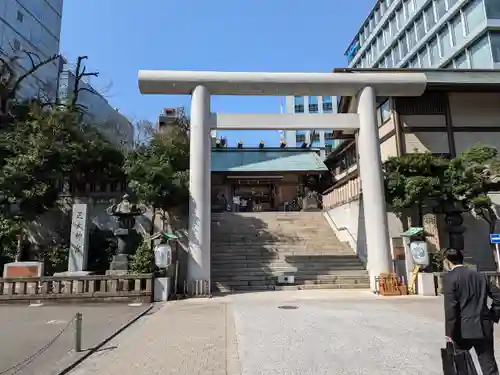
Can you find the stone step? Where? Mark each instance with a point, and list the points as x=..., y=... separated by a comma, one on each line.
x=275, y=246
x=287, y=257
x=286, y=271
x=292, y=231
x=304, y=228
x=316, y=279
x=318, y=256
x=269, y=214
x=276, y=263
x=332, y=252
x=250, y=250
x=265, y=240
x=237, y=288
x=315, y=274
x=248, y=261
x=361, y=281
x=223, y=239
x=281, y=262
x=273, y=271
x=298, y=229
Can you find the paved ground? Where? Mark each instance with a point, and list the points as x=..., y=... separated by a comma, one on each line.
x=321, y=333
x=24, y=330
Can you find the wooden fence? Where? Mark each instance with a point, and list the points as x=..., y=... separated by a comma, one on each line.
x=493, y=276
x=79, y=288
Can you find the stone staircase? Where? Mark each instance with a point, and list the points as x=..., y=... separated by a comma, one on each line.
x=250, y=250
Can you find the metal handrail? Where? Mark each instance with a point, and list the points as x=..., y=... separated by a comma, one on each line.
x=342, y=228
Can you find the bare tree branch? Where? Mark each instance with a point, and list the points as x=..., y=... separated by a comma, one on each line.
x=29, y=72
x=80, y=73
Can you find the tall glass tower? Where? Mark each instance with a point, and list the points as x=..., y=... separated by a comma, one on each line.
x=449, y=34
x=33, y=26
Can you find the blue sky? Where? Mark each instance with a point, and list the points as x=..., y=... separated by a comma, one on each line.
x=123, y=36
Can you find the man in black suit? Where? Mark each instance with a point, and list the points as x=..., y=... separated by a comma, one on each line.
x=469, y=320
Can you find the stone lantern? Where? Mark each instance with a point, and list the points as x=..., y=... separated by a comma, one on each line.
x=125, y=213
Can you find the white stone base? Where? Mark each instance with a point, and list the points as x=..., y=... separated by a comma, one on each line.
x=425, y=284
x=162, y=286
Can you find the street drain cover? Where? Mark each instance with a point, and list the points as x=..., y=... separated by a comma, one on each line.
x=288, y=307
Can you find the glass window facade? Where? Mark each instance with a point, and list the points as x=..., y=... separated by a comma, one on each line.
x=313, y=104
x=423, y=56
x=298, y=104
x=457, y=30
x=403, y=45
x=385, y=112
x=430, y=17
x=492, y=9
x=434, y=52
x=440, y=8
x=474, y=15
x=400, y=18
x=461, y=62
x=412, y=38
x=445, y=41
x=420, y=28
x=411, y=23
x=327, y=104
x=480, y=54
x=495, y=46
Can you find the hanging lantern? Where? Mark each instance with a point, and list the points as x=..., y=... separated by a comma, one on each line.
x=163, y=255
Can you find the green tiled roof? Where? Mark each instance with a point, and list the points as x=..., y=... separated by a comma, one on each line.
x=266, y=161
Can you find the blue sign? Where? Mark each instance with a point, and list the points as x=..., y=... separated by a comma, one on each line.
x=495, y=238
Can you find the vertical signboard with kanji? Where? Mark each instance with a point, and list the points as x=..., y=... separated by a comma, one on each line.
x=78, y=252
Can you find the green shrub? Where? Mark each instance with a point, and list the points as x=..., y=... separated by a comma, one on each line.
x=143, y=259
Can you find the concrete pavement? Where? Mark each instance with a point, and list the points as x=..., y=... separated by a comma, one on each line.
x=185, y=337
x=25, y=330
x=283, y=333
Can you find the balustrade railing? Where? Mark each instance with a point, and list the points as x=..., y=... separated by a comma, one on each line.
x=93, y=287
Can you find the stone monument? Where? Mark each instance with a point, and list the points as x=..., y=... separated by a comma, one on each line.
x=125, y=213
x=79, y=241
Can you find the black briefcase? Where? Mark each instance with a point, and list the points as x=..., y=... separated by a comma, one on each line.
x=495, y=313
x=457, y=362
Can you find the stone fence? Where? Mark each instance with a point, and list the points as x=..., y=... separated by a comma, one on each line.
x=93, y=288
x=493, y=276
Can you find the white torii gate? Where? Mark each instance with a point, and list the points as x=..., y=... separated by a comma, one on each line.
x=364, y=86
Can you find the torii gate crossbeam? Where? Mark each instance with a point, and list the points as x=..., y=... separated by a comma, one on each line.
x=364, y=86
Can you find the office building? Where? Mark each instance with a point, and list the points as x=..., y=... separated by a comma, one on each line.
x=33, y=26
x=98, y=112
x=321, y=140
x=460, y=34
x=457, y=111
